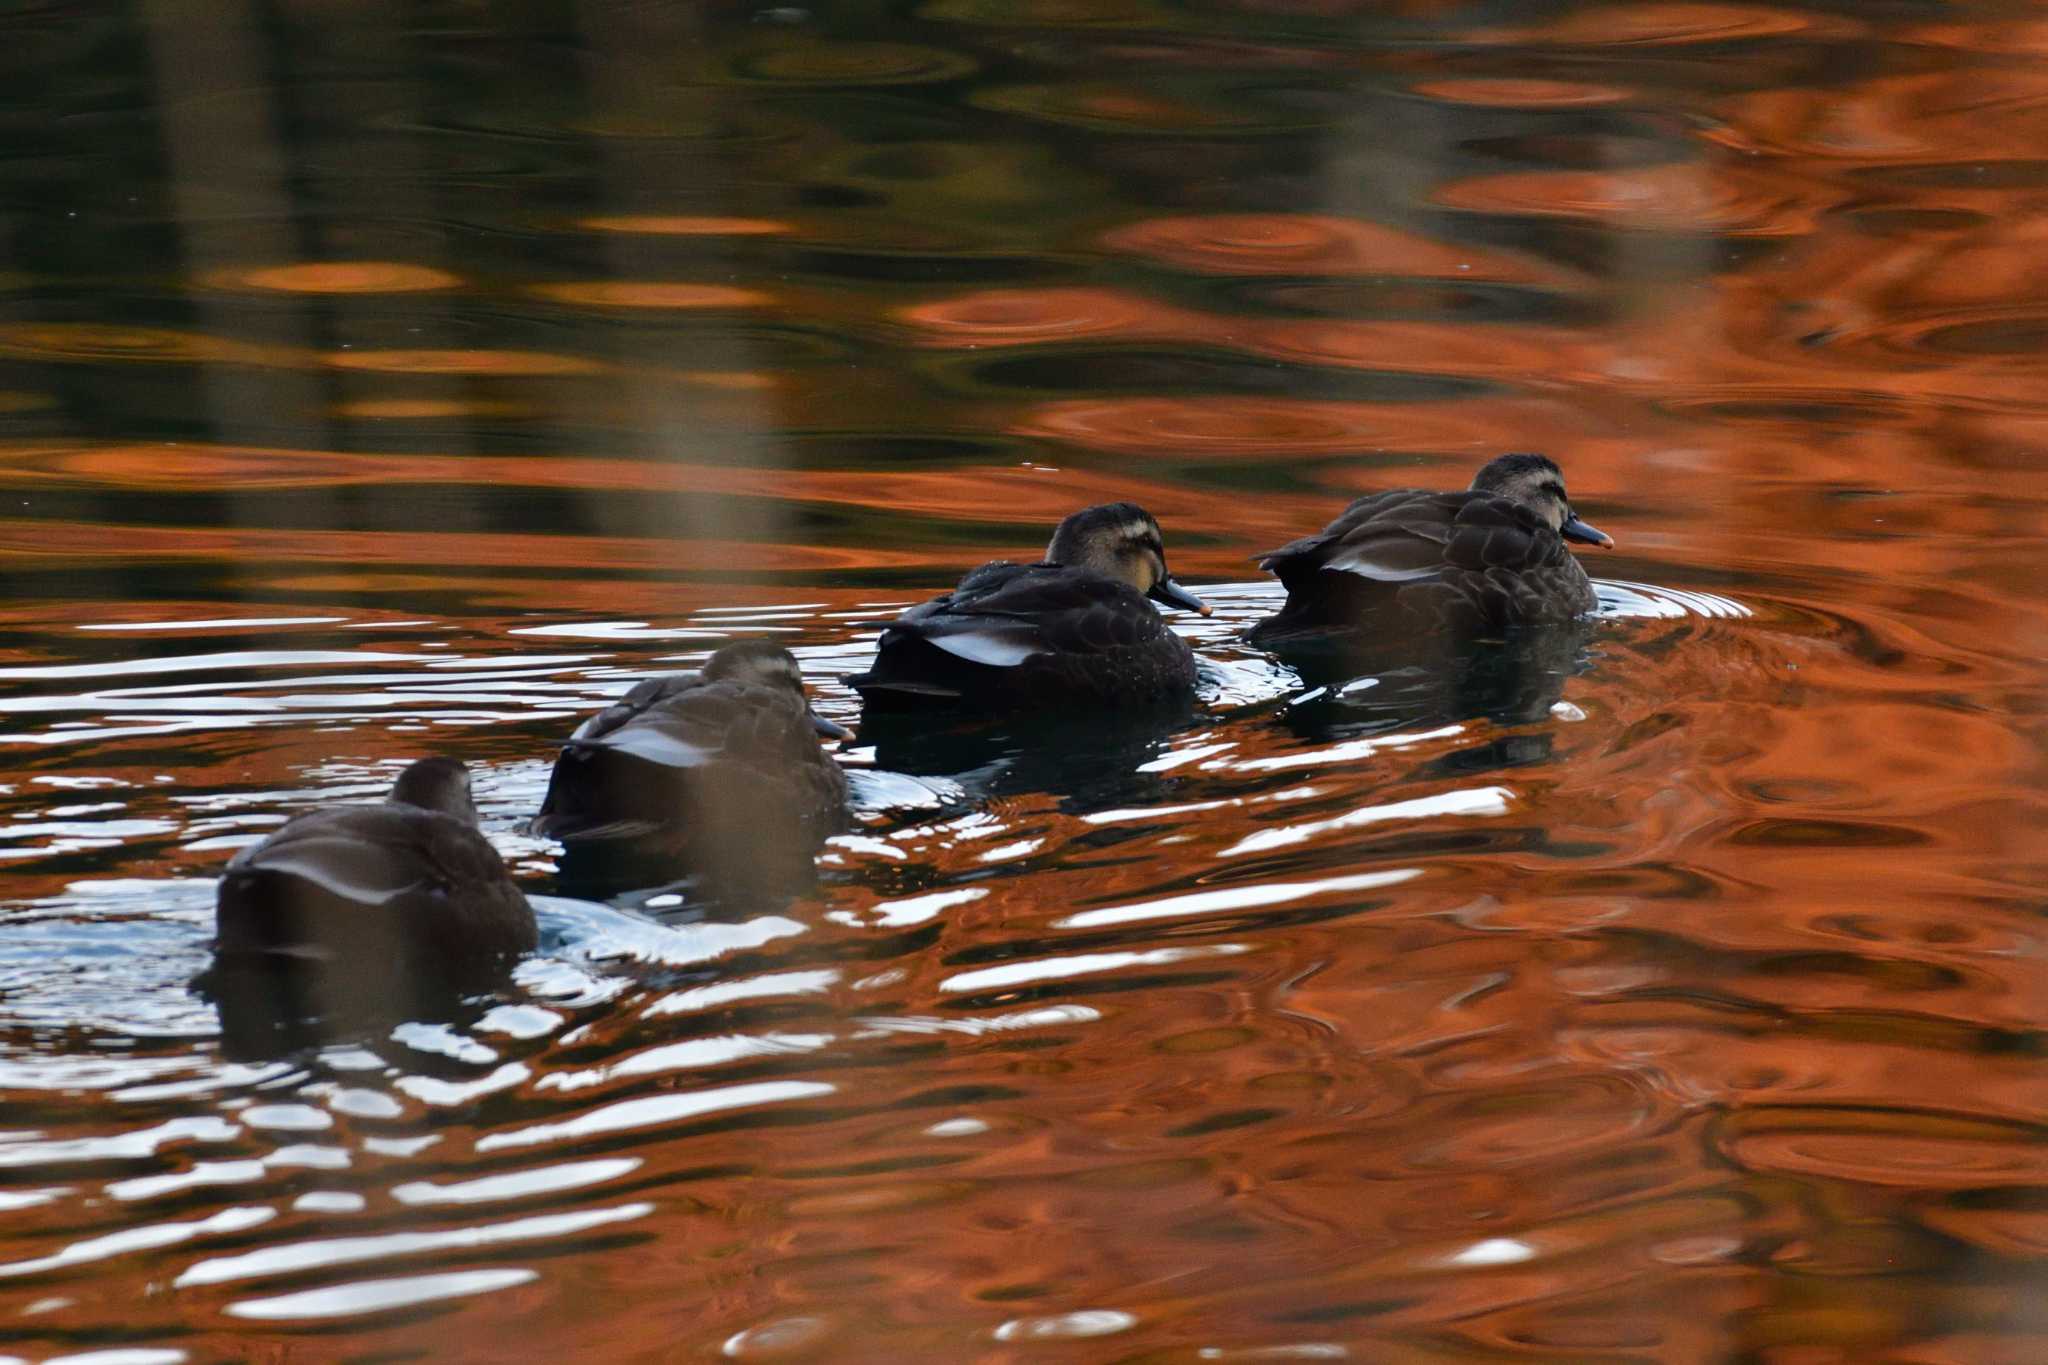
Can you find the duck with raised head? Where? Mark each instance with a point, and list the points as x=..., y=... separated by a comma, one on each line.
x=1074, y=632
x=717, y=772
x=1476, y=564
x=386, y=910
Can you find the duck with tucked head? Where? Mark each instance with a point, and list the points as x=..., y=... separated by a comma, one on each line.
x=383, y=911
x=1072, y=633
x=717, y=772
x=1475, y=564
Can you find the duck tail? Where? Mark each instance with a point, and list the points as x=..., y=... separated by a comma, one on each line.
x=1273, y=561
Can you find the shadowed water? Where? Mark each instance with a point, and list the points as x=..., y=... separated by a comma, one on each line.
x=380, y=384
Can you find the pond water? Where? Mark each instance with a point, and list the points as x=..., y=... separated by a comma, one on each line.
x=377, y=381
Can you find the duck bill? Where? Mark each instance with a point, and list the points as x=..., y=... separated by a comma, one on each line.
x=1174, y=595
x=1574, y=529
x=829, y=729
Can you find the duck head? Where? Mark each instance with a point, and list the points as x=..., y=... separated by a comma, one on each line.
x=440, y=784
x=758, y=663
x=1535, y=482
x=1121, y=540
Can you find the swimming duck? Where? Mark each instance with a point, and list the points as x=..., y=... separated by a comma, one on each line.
x=1475, y=563
x=1074, y=631
x=716, y=772
x=384, y=909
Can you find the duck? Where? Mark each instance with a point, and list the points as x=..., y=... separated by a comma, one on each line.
x=1076, y=632
x=385, y=909
x=1475, y=564
x=717, y=772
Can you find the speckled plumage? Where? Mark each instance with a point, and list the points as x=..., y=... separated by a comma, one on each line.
x=721, y=775
x=1473, y=563
x=1048, y=637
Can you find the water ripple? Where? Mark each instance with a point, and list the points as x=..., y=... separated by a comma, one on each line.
x=379, y=1296
x=395, y=386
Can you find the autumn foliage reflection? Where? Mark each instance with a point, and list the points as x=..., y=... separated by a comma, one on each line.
x=382, y=383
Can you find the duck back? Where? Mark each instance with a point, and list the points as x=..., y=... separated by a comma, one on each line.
x=1407, y=561
x=1029, y=637
x=372, y=913
x=717, y=777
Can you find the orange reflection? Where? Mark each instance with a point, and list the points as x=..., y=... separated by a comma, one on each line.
x=1015, y=317
x=167, y=465
x=462, y=362
x=2007, y=33
x=651, y=294
x=682, y=225
x=1909, y=1151
x=426, y=409
x=1182, y=427
x=1518, y=92
x=1305, y=244
x=1679, y=1059
x=1021, y=492
x=1661, y=24
x=83, y=542
x=89, y=342
x=735, y=380
x=336, y=277
x=1685, y=198
x=1127, y=106
x=2019, y=1233
x=1917, y=116
x=1427, y=347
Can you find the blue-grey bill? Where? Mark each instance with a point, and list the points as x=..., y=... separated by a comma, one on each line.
x=1574, y=529
x=1174, y=595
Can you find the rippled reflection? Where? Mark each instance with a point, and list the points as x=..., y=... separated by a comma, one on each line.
x=391, y=383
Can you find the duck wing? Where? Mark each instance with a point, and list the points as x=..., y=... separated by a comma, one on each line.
x=364, y=855
x=1395, y=537
x=1041, y=609
x=686, y=721
x=674, y=722
x=1029, y=636
x=926, y=653
x=651, y=758
x=1409, y=536
x=1469, y=563
x=435, y=872
x=1003, y=615
x=990, y=619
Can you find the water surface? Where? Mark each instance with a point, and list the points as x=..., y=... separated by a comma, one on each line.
x=377, y=384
